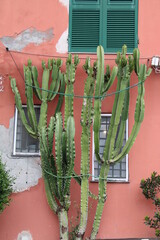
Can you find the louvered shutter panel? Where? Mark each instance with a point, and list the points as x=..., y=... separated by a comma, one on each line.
x=121, y=1
x=121, y=25
x=86, y=1
x=84, y=29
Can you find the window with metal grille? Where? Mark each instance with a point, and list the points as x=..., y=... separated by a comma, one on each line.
x=24, y=144
x=110, y=23
x=119, y=171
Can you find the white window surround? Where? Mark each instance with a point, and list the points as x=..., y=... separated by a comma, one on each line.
x=15, y=152
x=95, y=179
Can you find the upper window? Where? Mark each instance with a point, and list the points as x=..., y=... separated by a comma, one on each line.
x=24, y=144
x=110, y=23
x=118, y=171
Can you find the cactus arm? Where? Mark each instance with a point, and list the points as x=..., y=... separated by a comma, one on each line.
x=101, y=199
x=50, y=198
x=36, y=89
x=70, y=133
x=68, y=103
x=44, y=105
x=117, y=108
x=86, y=121
x=46, y=170
x=58, y=151
x=139, y=114
x=61, y=96
x=109, y=134
x=56, y=73
x=53, y=180
x=136, y=56
x=51, y=129
x=69, y=80
x=124, y=117
x=97, y=102
x=29, y=97
x=20, y=109
x=111, y=80
x=120, y=138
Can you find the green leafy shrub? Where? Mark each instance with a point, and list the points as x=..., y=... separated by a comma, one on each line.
x=5, y=187
x=151, y=190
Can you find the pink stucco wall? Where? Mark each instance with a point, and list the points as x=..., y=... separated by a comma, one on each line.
x=125, y=207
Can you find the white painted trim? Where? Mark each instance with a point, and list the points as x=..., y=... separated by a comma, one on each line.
x=110, y=179
x=15, y=130
x=21, y=154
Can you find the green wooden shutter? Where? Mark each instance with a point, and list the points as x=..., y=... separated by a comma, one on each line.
x=121, y=25
x=110, y=23
x=84, y=26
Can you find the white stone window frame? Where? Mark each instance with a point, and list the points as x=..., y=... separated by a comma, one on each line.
x=21, y=154
x=95, y=179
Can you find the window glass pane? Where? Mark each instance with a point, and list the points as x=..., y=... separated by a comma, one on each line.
x=24, y=142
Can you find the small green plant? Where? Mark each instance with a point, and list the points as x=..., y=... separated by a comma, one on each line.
x=151, y=190
x=5, y=187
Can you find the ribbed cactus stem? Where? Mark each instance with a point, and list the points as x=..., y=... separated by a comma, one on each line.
x=44, y=105
x=69, y=80
x=97, y=102
x=102, y=197
x=86, y=121
x=35, y=82
x=58, y=150
x=61, y=93
x=30, y=103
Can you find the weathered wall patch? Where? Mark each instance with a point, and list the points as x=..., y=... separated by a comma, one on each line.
x=25, y=235
x=25, y=170
x=26, y=37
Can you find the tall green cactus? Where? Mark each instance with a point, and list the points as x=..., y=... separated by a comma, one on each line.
x=54, y=168
x=58, y=162
x=112, y=150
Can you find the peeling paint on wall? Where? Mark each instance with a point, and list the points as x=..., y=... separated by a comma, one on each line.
x=25, y=235
x=25, y=170
x=26, y=37
x=65, y=3
x=62, y=45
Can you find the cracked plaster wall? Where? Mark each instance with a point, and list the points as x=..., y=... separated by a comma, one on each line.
x=25, y=170
x=26, y=37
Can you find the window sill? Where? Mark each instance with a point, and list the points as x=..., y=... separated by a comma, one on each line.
x=22, y=155
x=112, y=181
